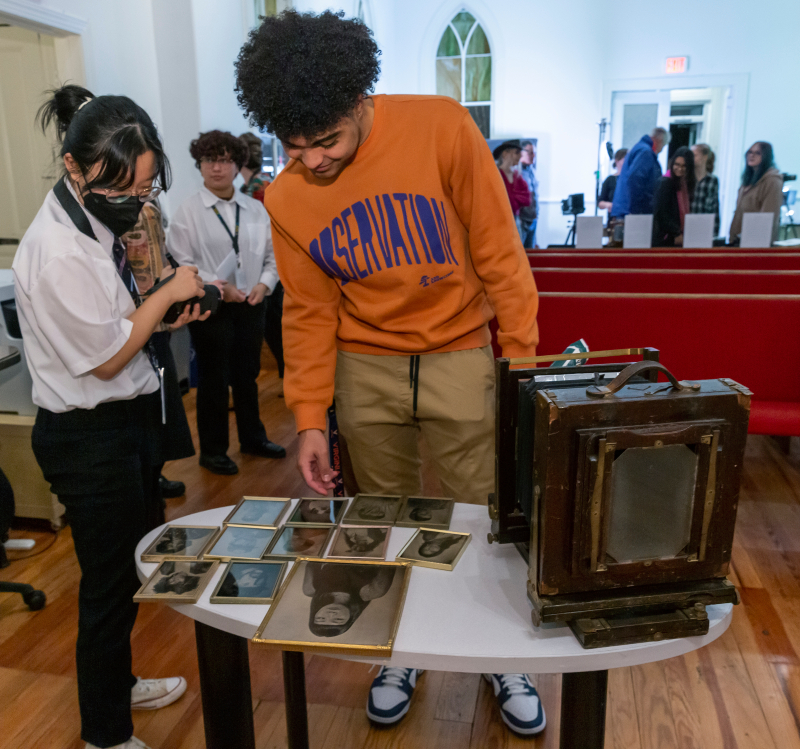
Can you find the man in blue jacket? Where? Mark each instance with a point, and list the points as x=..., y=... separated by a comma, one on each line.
x=636, y=184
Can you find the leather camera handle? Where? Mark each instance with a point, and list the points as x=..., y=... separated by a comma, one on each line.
x=600, y=391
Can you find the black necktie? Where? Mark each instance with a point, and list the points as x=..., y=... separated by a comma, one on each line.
x=126, y=274
x=124, y=269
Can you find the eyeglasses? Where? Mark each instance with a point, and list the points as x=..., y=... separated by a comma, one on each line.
x=120, y=197
x=751, y=152
x=221, y=161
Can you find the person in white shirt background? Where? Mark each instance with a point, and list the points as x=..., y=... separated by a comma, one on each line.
x=85, y=332
x=227, y=235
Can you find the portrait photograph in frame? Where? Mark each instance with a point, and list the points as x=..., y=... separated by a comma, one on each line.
x=249, y=582
x=428, y=512
x=241, y=542
x=360, y=542
x=320, y=511
x=373, y=509
x=337, y=606
x=177, y=580
x=267, y=512
x=429, y=547
x=300, y=541
x=184, y=541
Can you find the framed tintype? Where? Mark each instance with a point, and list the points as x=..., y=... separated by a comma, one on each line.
x=249, y=582
x=337, y=606
x=429, y=547
x=241, y=542
x=177, y=580
x=300, y=540
x=360, y=542
x=184, y=541
x=373, y=509
x=430, y=512
x=264, y=511
x=319, y=511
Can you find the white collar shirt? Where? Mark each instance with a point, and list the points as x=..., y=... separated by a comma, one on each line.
x=73, y=309
x=197, y=237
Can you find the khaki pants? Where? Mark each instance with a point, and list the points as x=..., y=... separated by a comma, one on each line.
x=455, y=414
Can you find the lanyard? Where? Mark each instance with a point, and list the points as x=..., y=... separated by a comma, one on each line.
x=234, y=237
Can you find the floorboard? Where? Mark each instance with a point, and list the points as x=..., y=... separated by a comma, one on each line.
x=741, y=692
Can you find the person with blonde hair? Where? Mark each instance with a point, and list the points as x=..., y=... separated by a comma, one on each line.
x=706, y=191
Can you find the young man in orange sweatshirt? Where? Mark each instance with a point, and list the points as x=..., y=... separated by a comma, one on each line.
x=396, y=245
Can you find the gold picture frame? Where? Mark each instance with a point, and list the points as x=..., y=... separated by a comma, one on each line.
x=428, y=512
x=177, y=581
x=373, y=509
x=170, y=539
x=237, y=542
x=446, y=559
x=265, y=519
x=230, y=591
x=311, y=511
x=293, y=541
x=371, y=629
x=360, y=542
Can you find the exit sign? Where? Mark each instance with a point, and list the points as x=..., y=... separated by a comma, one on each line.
x=677, y=64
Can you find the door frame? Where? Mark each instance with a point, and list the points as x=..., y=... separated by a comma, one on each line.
x=66, y=30
x=729, y=158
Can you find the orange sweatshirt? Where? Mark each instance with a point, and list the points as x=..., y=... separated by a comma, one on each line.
x=411, y=249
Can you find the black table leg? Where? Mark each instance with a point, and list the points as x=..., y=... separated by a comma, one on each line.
x=583, y=710
x=225, y=688
x=294, y=689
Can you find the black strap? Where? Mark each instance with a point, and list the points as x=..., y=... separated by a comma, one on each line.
x=73, y=209
x=234, y=237
x=413, y=379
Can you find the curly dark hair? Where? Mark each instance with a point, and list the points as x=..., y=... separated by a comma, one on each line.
x=216, y=143
x=300, y=73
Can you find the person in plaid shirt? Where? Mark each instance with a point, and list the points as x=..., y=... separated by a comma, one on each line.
x=706, y=193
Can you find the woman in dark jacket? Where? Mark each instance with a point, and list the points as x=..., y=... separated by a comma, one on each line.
x=673, y=200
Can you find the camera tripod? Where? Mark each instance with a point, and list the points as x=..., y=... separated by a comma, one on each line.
x=572, y=234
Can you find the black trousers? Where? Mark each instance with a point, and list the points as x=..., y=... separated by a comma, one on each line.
x=101, y=464
x=273, y=332
x=228, y=349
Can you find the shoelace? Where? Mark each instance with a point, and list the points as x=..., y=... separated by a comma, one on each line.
x=514, y=683
x=396, y=676
x=146, y=685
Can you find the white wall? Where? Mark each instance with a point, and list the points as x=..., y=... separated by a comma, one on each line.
x=219, y=29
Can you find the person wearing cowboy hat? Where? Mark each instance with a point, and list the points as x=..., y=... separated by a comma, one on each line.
x=507, y=156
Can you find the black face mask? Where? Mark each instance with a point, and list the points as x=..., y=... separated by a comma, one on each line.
x=119, y=217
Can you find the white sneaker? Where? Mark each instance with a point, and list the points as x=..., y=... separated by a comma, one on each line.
x=150, y=694
x=390, y=694
x=519, y=703
x=131, y=743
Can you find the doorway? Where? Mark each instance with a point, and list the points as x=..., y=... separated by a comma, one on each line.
x=31, y=63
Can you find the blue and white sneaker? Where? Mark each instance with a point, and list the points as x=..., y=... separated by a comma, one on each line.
x=390, y=694
x=519, y=703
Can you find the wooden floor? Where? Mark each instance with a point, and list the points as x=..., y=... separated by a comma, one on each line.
x=741, y=692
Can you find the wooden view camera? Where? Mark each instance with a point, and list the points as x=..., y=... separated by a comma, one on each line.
x=620, y=491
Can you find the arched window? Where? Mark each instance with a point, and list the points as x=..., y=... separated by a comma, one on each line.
x=464, y=68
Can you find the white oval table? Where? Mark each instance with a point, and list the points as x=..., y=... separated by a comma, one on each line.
x=475, y=619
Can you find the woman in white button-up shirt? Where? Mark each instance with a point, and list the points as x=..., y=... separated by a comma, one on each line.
x=96, y=431
x=226, y=234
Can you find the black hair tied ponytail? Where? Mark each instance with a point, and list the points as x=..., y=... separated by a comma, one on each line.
x=112, y=131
